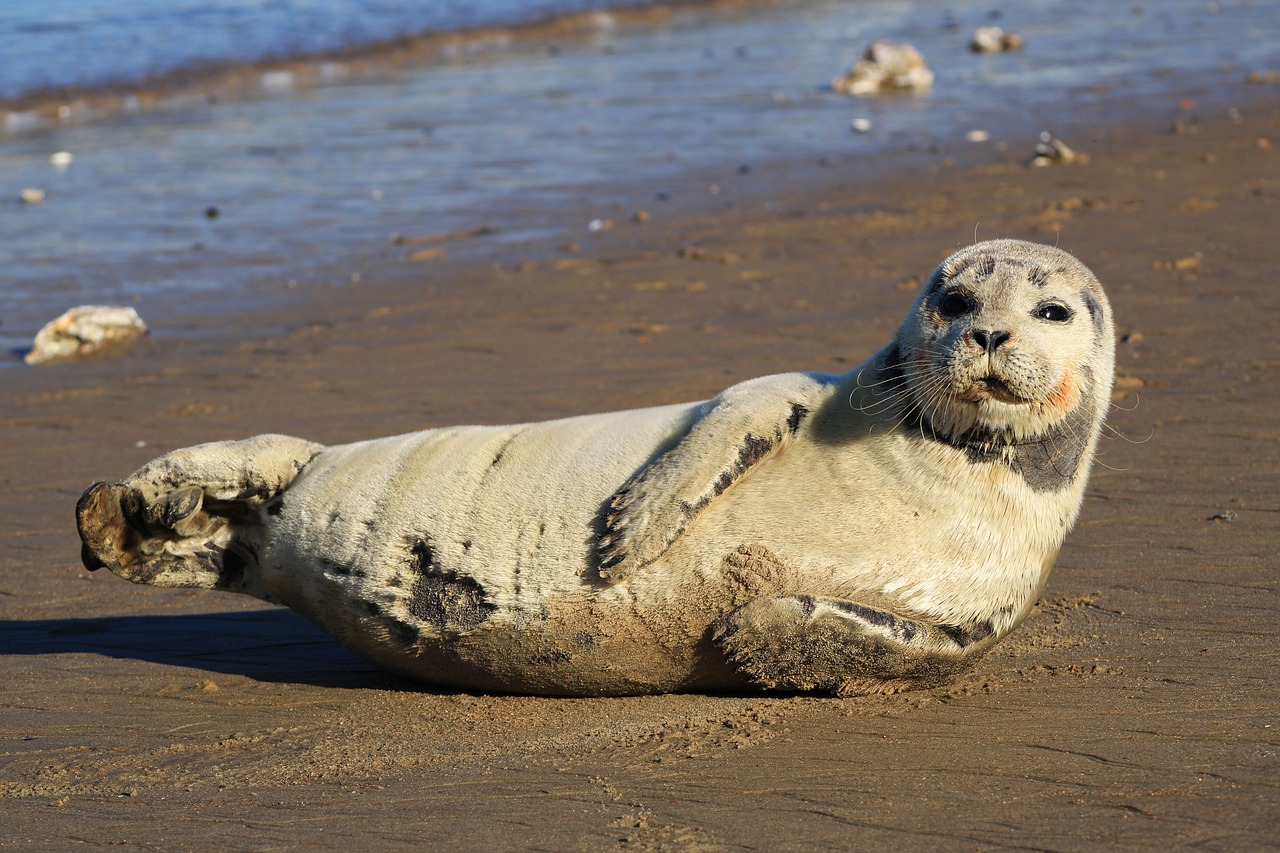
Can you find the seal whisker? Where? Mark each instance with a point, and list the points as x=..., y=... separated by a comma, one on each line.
x=1110, y=431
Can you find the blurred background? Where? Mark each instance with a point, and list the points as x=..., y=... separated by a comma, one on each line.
x=195, y=155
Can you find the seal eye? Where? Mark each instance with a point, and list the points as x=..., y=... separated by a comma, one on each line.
x=955, y=304
x=1053, y=312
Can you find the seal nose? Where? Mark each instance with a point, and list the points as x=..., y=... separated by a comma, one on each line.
x=989, y=340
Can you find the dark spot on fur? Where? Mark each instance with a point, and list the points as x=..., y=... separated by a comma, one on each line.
x=1095, y=311
x=335, y=569
x=1038, y=276
x=402, y=631
x=145, y=572
x=797, y=416
x=968, y=636
x=502, y=451
x=552, y=657
x=446, y=601
x=466, y=544
x=257, y=490
x=753, y=449
x=940, y=277
x=372, y=608
x=807, y=605
x=275, y=507
x=1053, y=462
x=986, y=266
x=903, y=629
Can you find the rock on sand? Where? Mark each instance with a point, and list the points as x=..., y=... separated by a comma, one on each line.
x=85, y=330
x=886, y=67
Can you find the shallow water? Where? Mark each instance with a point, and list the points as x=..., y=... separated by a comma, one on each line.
x=126, y=40
x=306, y=177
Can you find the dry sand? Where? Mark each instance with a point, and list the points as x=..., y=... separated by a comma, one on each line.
x=1136, y=707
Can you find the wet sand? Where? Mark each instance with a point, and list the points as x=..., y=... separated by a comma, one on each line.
x=1136, y=707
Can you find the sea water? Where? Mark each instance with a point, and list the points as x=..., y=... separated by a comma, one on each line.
x=192, y=197
x=94, y=43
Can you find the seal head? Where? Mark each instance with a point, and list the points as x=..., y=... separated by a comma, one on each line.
x=1007, y=343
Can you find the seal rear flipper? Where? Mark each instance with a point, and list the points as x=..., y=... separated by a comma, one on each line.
x=739, y=429
x=193, y=517
x=803, y=642
x=169, y=541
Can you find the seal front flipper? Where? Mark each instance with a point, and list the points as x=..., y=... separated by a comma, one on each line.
x=738, y=429
x=190, y=518
x=803, y=642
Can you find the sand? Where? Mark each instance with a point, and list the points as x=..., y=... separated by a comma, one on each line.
x=1136, y=707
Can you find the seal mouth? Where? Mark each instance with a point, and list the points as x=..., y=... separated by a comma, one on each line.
x=992, y=387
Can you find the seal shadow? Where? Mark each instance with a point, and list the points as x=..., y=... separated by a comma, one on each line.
x=265, y=645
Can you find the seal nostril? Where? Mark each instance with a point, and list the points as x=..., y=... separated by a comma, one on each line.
x=989, y=341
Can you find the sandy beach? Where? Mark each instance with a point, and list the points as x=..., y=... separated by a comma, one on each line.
x=1136, y=707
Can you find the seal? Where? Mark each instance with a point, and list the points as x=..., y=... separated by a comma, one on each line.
x=866, y=532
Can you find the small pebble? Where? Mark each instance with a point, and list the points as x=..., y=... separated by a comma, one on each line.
x=32, y=195
x=1053, y=151
x=61, y=159
x=861, y=125
x=994, y=40
x=977, y=136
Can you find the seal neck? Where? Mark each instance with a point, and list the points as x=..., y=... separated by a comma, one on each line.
x=1048, y=461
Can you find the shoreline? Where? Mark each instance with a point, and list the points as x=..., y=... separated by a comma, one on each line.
x=1134, y=708
x=741, y=190
x=188, y=206
x=214, y=80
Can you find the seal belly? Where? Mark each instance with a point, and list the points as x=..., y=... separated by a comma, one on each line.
x=586, y=644
x=580, y=647
x=454, y=557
